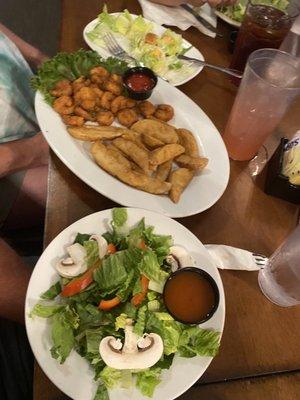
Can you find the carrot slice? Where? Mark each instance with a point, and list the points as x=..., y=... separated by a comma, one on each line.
x=111, y=248
x=139, y=297
x=78, y=284
x=108, y=304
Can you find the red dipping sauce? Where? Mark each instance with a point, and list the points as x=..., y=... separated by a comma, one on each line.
x=140, y=82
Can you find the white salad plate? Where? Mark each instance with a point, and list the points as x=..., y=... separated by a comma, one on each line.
x=227, y=19
x=75, y=377
x=177, y=78
x=202, y=192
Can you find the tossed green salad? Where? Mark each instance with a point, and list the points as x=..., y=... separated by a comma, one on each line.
x=136, y=36
x=237, y=11
x=107, y=306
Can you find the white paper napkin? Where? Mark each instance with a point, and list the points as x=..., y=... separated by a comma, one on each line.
x=177, y=16
x=227, y=257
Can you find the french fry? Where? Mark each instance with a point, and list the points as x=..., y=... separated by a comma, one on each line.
x=179, y=179
x=134, y=152
x=163, y=171
x=194, y=163
x=151, y=141
x=93, y=133
x=188, y=141
x=157, y=129
x=165, y=153
x=105, y=158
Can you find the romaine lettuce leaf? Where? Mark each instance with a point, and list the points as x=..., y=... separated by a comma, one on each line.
x=159, y=243
x=52, y=292
x=124, y=292
x=120, y=322
x=169, y=330
x=139, y=326
x=119, y=217
x=92, y=252
x=147, y=380
x=81, y=238
x=112, y=273
x=196, y=341
x=63, y=324
x=101, y=393
x=149, y=266
x=111, y=377
x=45, y=310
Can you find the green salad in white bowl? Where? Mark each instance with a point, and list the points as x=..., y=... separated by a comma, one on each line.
x=106, y=305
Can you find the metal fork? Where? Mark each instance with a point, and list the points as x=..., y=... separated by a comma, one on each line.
x=115, y=49
x=260, y=259
x=228, y=71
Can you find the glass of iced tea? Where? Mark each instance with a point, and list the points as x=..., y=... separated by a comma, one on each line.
x=280, y=279
x=270, y=83
x=263, y=26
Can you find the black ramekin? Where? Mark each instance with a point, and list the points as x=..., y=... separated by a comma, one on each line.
x=213, y=284
x=139, y=95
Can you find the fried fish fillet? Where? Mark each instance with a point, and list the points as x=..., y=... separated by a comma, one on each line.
x=165, y=153
x=134, y=152
x=188, y=141
x=179, y=179
x=157, y=129
x=163, y=171
x=92, y=133
x=151, y=141
x=106, y=159
x=194, y=163
x=134, y=137
x=118, y=155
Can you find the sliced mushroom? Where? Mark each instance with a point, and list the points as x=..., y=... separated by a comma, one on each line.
x=137, y=353
x=115, y=345
x=102, y=244
x=74, y=265
x=179, y=258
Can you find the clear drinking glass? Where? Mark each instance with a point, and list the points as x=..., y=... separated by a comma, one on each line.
x=280, y=279
x=270, y=83
x=263, y=26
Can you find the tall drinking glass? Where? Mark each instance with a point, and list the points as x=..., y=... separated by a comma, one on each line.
x=270, y=83
x=263, y=26
x=280, y=279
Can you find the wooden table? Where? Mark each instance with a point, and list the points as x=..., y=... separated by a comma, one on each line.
x=260, y=352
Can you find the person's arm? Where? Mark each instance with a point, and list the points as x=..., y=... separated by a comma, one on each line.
x=33, y=55
x=23, y=154
x=14, y=278
x=195, y=3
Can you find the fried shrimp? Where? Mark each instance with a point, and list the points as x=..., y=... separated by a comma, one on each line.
x=105, y=118
x=63, y=105
x=86, y=98
x=106, y=100
x=113, y=87
x=164, y=112
x=118, y=104
x=146, y=108
x=83, y=113
x=73, y=120
x=62, y=88
x=116, y=78
x=127, y=117
x=78, y=84
x=100, y=71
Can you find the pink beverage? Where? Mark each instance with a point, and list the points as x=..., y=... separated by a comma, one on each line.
x=251, y=121
x=270, y=82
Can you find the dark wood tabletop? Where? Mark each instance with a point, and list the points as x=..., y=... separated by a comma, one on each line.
x=260, y=352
